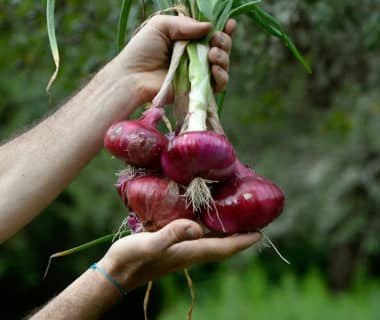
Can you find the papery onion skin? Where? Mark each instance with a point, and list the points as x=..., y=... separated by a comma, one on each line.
x=244, y=205
x=203, y=154
x=121, y=186
x=137, y=142
x=157, y=201
x=134, y=224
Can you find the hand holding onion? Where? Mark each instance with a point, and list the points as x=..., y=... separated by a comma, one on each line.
x=139, y=258
x=199, y=176
x=144, y=62
x=198, y=153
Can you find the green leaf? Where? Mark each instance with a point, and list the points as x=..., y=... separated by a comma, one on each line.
x=249, y=6
x=87, y=245
x=265, y=15
x=269, y=24
x=164, y=4
x=297, y=54
x=50, y=5
x=205, y=10
x=224, y=15
x=123, y=22
x=260, y=22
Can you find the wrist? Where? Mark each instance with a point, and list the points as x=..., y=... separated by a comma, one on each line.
x=122, y=274
x=126, y=78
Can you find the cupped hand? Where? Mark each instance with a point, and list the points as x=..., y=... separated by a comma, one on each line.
x=147, y=56
x=137, y=259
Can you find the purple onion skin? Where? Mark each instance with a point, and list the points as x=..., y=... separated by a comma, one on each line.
x=137, y=142
x=156, y=201
x=121, y=186
x=134, y=223
x=244, y=204
x=195, y=154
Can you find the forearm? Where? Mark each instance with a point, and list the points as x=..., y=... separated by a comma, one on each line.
x=38, y=165
x=87, y=298
x=137, y=259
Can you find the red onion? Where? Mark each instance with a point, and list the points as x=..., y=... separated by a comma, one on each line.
x=121, y=186
x=245, y=203
x=137, y=142
x=203, y=154
x=156, y=201
x=134, y=223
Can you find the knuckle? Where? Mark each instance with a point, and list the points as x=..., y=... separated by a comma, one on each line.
x=156, y=20
x=173, y=234
x=223, y=58
x=226, y=42
x=176, y=231
x=214, y=53
x=215, y=40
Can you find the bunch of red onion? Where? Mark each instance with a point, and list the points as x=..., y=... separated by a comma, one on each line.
x=193, y=174
x=160, y=171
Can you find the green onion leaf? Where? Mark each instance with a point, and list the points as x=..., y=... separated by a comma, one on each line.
x=276, y=29
x=265, y=25
x=297, y=54
x=164, y=4
x=205, y=10
x=249, y=6
x=123, y=21
x=231, y=11
x=265, y=21
x=52, y=40
x=85, y=246
x=225, y=14
x=266, y=16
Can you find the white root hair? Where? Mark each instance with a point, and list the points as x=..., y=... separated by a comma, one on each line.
x=267, y=242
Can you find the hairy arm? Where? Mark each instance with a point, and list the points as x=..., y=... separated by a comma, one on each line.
x=88, y=297
x=134, y=260
x=36, y=166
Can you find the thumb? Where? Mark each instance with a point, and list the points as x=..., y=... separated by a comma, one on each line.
x=178, y=231
x=180, y=28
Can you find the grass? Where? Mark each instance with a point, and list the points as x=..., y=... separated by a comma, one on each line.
x=248, y=294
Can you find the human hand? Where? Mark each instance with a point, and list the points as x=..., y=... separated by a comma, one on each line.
x=145, y=60
x=137, y=259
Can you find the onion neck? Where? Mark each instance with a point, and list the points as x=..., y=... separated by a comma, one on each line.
x=181, y=88
x=199, y=76
x=151, y=116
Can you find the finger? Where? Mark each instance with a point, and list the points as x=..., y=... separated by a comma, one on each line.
x=230, y=27
x=180, y=28
x=221, y=78
x=177, y=231
x=219, y=57
x=221, y=40
x=216, y=249
x=212, y=249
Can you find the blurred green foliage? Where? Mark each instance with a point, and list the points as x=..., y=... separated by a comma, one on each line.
x=316, y=136
x=249, y=294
